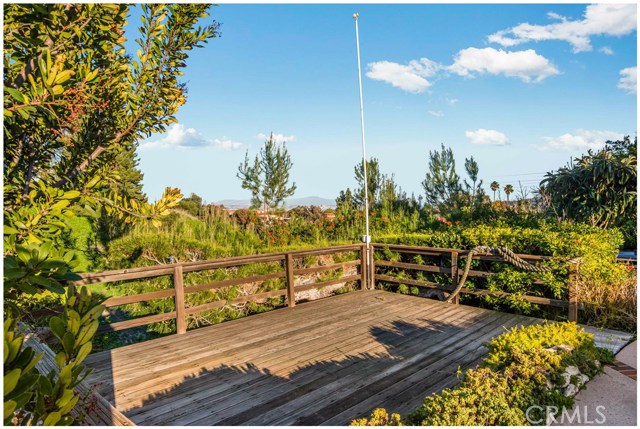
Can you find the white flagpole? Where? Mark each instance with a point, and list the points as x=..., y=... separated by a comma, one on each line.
x=366, y=239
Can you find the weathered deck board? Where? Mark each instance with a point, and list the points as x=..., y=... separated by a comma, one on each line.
x=322, y=362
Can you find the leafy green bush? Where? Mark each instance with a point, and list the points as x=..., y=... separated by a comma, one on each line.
x=599, y=271
x=521, y=371
x=31, y=398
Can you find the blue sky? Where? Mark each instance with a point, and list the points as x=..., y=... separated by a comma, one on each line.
x=521, y=88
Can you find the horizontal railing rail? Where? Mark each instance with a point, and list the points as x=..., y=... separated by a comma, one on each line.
x=179, y=291
x=454, y=254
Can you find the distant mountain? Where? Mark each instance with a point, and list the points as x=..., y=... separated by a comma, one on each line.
x=234, y=204
x=290, y=203
x=310, y=201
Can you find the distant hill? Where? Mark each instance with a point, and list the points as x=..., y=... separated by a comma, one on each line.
x=290, y=203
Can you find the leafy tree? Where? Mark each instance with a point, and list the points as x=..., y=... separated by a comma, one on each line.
x=192, y=204
x=495, y=186
x=73, y=103
x=268, y=177
x=73, y=97
x=623, y=148
x=374, y=182
x=599, y=187
x=442, y=183
x=508, y=190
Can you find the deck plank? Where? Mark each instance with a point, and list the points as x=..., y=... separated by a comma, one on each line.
x=319, y=363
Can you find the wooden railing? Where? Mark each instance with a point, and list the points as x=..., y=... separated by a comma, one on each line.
x=179, y=290
x=453, y=255
x=367, y=276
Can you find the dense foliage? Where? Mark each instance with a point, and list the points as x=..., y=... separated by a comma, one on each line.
x=605, y=286
x=525, y=368
x=74, y=106
x=599, y=188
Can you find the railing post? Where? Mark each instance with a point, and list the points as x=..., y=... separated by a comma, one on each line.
x=291, y=294
x=573, y=293
x=454, y=275
x=364, y=266
x=178, y=285
x=371, y=280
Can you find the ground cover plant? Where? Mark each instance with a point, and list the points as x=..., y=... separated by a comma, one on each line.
x=527, y=369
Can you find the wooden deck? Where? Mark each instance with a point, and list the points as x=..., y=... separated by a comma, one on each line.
x=320, y=363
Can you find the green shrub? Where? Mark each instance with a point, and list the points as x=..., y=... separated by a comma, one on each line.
x=605, y=285
x=518, y=373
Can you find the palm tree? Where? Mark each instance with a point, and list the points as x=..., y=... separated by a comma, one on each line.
x=494, y=187
x=508, y=189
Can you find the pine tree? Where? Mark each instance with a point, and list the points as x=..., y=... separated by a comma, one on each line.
x=268, y=177
x=125, y=182
x=442, y=183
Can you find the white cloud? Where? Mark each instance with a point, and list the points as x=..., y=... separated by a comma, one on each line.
x=488, y=137
x=278, y=138
x=606, y=50
x=436, y=113
x=188, y=138
x=226, y=144
x=411, y=77
x=598, y=20
x=629, y=80
x=452, y=101
x=580, y=140
x=527, y=65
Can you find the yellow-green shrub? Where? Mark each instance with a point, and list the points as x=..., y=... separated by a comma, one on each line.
x=379, y=417
x=512, y=378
